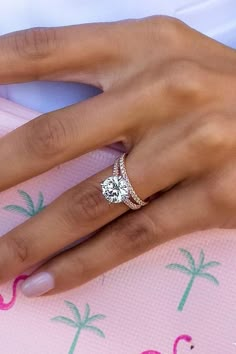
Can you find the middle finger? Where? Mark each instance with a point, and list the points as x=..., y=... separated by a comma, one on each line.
x=62, y=135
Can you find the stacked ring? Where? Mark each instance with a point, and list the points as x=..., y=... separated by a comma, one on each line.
x=118, y=188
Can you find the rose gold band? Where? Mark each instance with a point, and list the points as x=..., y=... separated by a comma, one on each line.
x=120, y=169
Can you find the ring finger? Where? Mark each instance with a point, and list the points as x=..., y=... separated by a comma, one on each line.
x=79, y=212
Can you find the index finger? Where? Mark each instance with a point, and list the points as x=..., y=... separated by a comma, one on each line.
x=55, y=53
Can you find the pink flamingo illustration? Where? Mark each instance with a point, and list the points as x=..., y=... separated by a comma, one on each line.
x=8, y=305
x=182, y=337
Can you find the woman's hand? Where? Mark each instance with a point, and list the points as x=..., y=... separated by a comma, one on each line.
x=169, y=94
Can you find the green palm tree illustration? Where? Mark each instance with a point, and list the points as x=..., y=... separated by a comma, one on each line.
x=31, y=209
x=80, y=323
x=194, y=271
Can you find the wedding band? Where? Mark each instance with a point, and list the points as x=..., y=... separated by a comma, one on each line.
x=118, y=188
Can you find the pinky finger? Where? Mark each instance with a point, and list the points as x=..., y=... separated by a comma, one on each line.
x=180, y=211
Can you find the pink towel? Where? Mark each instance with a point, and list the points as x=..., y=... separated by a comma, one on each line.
x=180, y=294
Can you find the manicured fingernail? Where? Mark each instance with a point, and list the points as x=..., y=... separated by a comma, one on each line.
x=37, y=284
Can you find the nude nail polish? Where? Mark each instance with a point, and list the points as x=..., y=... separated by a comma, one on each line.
x=38, y=284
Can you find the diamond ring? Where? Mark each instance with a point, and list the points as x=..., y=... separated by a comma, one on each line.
x=118, y=188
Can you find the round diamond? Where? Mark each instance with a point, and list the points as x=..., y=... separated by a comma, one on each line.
x=115, y=189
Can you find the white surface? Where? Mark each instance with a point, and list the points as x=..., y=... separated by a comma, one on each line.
x=216, y=18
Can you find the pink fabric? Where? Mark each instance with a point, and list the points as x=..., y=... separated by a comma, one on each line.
x=139, y=303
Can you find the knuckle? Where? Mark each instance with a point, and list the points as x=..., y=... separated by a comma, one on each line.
x=46, y=137
x=35, y=43
x=210, y=133
x=219, y=192
x=133, y=233
x=166, y=28
x=184, y=79
x=86, y=204
x=18, y=248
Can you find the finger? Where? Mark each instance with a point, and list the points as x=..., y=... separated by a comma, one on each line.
x=62, y=135
x=78, y=212
x=180, y=211
x=55, y=53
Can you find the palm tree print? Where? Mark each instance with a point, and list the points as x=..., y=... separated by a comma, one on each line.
x=30, y=209
x=194, y=271
x=80, y=323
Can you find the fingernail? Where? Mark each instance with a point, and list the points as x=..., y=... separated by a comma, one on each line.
x=38, y=284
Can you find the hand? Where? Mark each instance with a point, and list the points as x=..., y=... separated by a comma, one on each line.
x=169, y=94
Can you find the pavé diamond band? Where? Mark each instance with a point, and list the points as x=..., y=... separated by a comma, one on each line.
x=118, y=188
